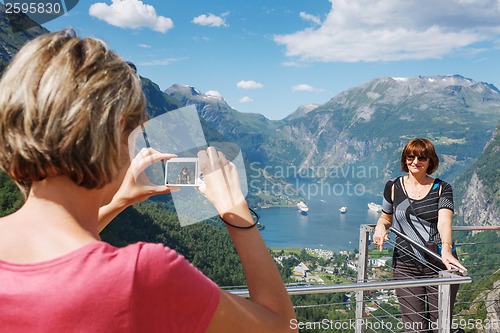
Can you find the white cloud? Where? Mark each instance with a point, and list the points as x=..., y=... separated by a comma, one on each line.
x=213, y=93
x=203, y=39
x=160, y=62
x=249, y=85
x=310, y=18
x=306, y=87
x=211, y=20
x=145, y=46
x=294, y=64
x=392, y=30
x=246, y=99
x=132, y=14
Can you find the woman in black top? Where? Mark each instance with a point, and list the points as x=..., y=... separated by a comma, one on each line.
x=420, y=207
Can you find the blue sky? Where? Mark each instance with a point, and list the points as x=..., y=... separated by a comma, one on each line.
x=271, y=56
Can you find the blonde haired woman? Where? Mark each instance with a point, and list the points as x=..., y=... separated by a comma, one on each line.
x=67, y=106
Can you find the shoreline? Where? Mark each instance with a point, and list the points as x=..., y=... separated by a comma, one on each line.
x=307, y=249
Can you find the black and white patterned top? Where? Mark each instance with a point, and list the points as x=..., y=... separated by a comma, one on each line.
x=404, y=216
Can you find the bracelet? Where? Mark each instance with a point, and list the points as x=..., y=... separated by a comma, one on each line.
x=451, y=246
x=256, y=218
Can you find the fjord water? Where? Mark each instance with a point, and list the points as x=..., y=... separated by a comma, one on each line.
x=324, y=227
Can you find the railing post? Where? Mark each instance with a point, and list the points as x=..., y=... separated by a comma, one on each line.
x=364, y=232
x=444, y=311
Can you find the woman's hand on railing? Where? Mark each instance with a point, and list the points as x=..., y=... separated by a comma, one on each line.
x=450, y=261
x=380, y=236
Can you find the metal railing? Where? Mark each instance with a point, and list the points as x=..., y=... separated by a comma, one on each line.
x=444, y=319
x=363, y=285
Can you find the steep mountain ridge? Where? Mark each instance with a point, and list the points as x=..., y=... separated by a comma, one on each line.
x=10, y=41
x=302, y=111
x=453, y=111
x=247, y=129
x=218, y=113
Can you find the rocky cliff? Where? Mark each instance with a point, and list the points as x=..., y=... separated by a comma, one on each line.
x=492, y=303
x=478, y=188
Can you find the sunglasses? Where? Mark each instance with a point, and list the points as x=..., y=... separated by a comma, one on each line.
x=419, y=158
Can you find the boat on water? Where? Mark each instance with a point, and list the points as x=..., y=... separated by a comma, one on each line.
x=375, y=207
x=302, y=207
x=343, y=209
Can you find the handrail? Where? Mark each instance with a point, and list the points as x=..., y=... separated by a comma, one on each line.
x=365, y=286
x=423, y=248
x=473, y=228
x=464, y=227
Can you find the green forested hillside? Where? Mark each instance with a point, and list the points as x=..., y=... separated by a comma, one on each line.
x=10, y=196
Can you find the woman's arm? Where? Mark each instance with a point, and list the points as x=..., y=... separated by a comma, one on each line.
x=381, y=234
x=269, y=308
x=444, y=228
x=384, y=222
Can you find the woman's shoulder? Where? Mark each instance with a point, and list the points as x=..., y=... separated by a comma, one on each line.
x=142, y=254
x=441, y=185
x=393, y=183
x=154, y=251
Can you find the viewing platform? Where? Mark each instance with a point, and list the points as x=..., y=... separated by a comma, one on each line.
x=370, y=298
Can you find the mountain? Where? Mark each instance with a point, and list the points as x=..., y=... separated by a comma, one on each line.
x=221, y=123
x=10, y=41
x=302, y=111
x=479, y=187
x=218, y=113
x=157, y=102
x=373, y=120
x=248, y=129
x=358, y=134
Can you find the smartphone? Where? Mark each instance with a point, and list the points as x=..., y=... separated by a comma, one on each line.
x=183, y=171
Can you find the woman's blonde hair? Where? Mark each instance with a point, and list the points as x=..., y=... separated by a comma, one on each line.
x=67, y=106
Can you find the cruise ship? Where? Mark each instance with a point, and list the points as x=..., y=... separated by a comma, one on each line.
x=375, y=207
x=302, y=207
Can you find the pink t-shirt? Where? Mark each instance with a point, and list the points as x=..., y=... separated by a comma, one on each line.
x=99, y=288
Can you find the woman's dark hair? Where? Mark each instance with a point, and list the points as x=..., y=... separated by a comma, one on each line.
x=420, y=147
